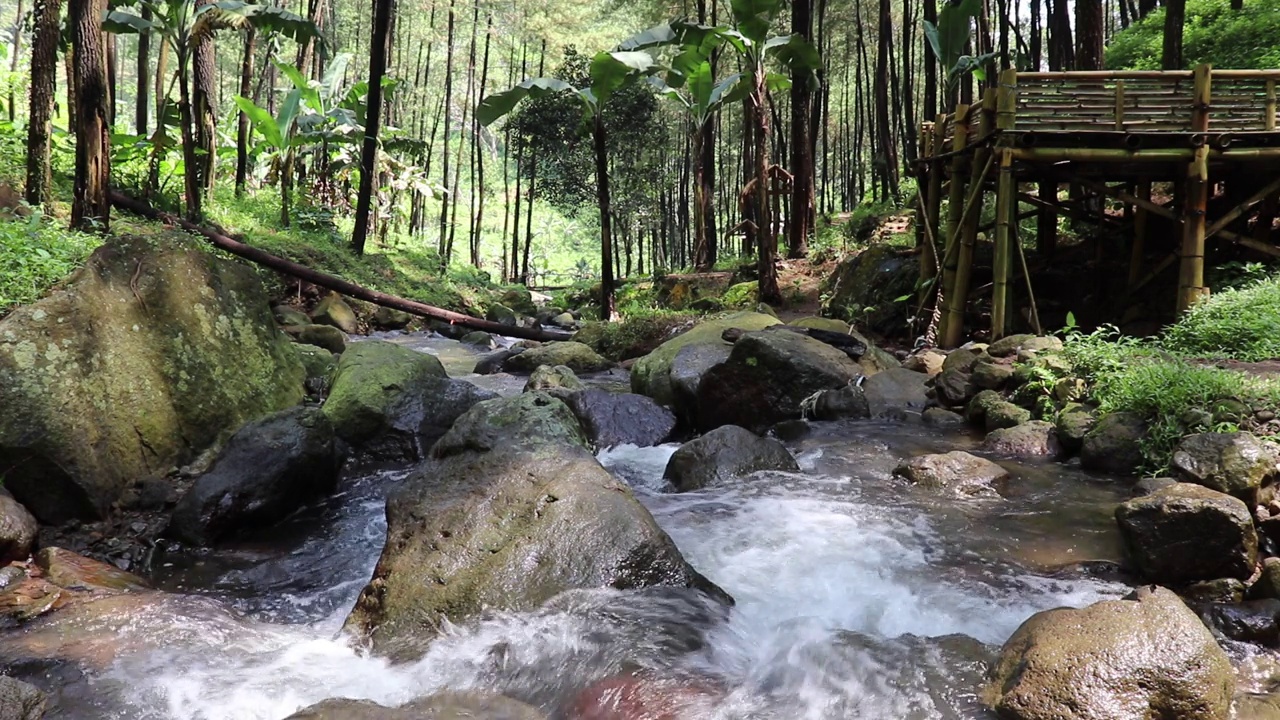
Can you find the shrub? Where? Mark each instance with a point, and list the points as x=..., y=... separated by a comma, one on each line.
x=1212, y=33
x=1242, y=324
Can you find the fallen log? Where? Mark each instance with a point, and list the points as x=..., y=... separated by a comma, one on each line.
x=302, y=272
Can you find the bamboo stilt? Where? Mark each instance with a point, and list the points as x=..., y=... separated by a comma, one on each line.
x=1000, y=267
x=1191, y=287
x=955, y=209
x=957, y=297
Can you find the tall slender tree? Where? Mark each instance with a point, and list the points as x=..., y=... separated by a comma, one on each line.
x=378, y=50
x=1089, y=35
x=1175, y=12
x=44, y=73
x=801, y=217
x=90, y=209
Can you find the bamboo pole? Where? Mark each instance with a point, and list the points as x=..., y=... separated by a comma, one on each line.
x=1242, y=208
x=1120, y=105
x=955, y=210
x=928, y=256
x=1191, y=287
x=1270, y=119
x=957, y=298
x=1000, y=267
x=1140, y=217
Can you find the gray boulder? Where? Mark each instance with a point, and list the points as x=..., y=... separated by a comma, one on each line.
x=1073, y=423
x=1003, y=414
x=20, y=701
x=957, y=472
x=895, y=389
x=18, y=529
x=954, y=387
x=387, y=318
x=940, y=417
x=492, y=363
x=768, y=377
x=991, y=374
x=688, y=367
x=652, y=374
x=848, y=402
x=573, y=355
x=442, y=706
x=1033, y=439
x=335, y=311
x=479, y=338
x=527, y=421
x=724, y=454
x=1147, y=656
x=322, y=336
x=268, y=469
x=1008, y=346
x=1185, y=532
x=559, y=381
x=611, y=419
x=502, y=314
x=1114, y=444
x=1234, y=463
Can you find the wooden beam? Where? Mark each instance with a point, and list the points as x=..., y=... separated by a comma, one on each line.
x=1242, y=208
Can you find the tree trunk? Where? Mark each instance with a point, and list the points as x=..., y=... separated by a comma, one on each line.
x=802, y=172
x=44, y=73
x=477, y=148
x=142, y=105
x=607, y=311
x=243, y=127
x=533, y=183
x=444, y=139
x=90, y=209
x=369, y=152
x=886, y=156
x=204, y=72
x=1175, y=12
x=13, y=64
x=767, y=242
x=1061, y=51
x=190, y=176
x=1089, y=34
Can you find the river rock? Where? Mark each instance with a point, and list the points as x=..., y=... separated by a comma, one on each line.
x=141, y=361
x=77, y=572
x=848, y=402
x=1031, y=439
x=442, y=706
x=1255, y=621
x=991, y=374
x=821, y=323
x=865, y=287
x=975, y=411
x=927, y=361
x=319, y=363
x=954, y=387
x=322, y=336
x=767, y=378
x=520, y=299
x=940, y=417
x=959, y=472
x=559, y=381
x=20, y=701
x=1004, y=414
x=492, y=363
x=390, y=402
x=724, y=454
x=507, y=529
x=1038, y=345
x=268, y=469
x=640, y=697
x=386, y=318
x=691, y=363
x=652, y=374
x=18, y=529
x=1008, y=346
x=611, y=419
x=529, y=420
x=334, y=311
x=288, y=316
x=1073, y=423
x=502, y=314
x=1114, y=444
x=479, y=338
x=964, y=358
x=573, y=355
x=1146, y=656
x=895, y=389
x=1187, y=532
x=1234, y=463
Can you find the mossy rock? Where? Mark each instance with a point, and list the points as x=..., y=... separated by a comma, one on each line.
x=741, y=296
x=632, y=337
x=875, y=279
x=573, y=355
x=821, y=323
x=391, y=319
x=1008, y=346
x=976, y=411
x=333, y=310
x=318, y=362
x=520, y=300
x=554, y=379
x=502, y=314
x=479, y=338
x=651, y=375
x=1004, y=414
x=288, y=316
x=529, y=420
x=371, y=379
x=150, y=354
x=1073, y=423
x=322, y=336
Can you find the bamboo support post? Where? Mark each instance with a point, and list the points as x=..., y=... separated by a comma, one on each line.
x=955, y=210
x=1000, y=266
x=1120, y=105
x=1270, y=119
x=928, y=258
x=1191, y=287
x=1140, y=217
x=957, y=295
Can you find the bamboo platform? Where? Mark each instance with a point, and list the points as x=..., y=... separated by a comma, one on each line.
x=1108, y=136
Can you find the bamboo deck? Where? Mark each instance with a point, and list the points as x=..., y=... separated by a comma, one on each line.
x=1109, y=135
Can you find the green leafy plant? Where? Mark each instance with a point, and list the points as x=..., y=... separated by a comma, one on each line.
x=1242, y=324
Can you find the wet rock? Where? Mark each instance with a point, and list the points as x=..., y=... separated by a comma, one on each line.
x=69, y=570
x=1255, y=621
x=479, y=338
x=502, y=314
x=1223, y=590
x=724, y=454
x=958, y=472
x=335, y=311
x=529, y=420
x=1146, y=486
x=1234, y=463
x=848, y=402
x=938, y=417
x=874, y=278
x=954, y=387
x=1004, y=414
x=639, y=697
x=768, y=377
x=1073, y=423
x=573, y=355
x=791, y=430
x=508, y=529
x=565, y=320
x=322, y=336
x=20, y=701
x=558, y=381
x=963, y=359
x=520, y=299
x=975, y=411
x=652, y=374
x=895, y=389
x=288, y=316
x=390, y=402
x=1104, y=662
x=1008, y=346
x=821, y=323
x=691, y=363
x=1187, y=532
x=1032, y=439
x=442, y=706
x=928, y=362
x=1114, y=444
x=611, y=419
x=18, y=529
x=492, y=363
x=386, y=318
x=1268, y=584
x=141, y=361
x=268, y=469
x=991, y=375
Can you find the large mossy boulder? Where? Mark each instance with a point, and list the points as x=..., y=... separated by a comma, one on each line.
x=874, y=278
x=768, y=377
x=268, y=469
x=1185, y=532
x=390, y=402
x=652, y=374
x=520, y=299
x=512, y=511
x=1114, y=444
x=576, y=356
x=1234, y=463
x=147, y=356
x=724, y=454
x=1146, y=657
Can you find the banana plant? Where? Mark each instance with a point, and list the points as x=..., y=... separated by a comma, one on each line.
x=948, y=39
x=609, y=72
x=184, y=23
x=279, y=134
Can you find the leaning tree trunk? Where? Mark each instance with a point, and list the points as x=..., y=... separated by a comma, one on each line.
x=204, y=71
x=607, y=311
x=44, y=72
x=369, y=153
x=90, y=209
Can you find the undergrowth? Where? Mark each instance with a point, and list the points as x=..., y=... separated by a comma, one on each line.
x=36, y=253
x=1242, y=324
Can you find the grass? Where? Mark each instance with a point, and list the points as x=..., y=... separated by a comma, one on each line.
x=1242, y=324
x=35, y=254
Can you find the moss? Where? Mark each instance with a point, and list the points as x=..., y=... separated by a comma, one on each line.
x=742, y=295
x=651, y=375
x=371, y=376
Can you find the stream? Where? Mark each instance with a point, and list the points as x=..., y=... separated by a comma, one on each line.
x=857, y=597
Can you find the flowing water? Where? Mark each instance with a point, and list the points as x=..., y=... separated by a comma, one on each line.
x=857, y=597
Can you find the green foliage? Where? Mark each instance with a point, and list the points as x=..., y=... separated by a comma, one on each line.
x=1212, y=33
x=36, y=253
x=1242, y=324
x=635, y=335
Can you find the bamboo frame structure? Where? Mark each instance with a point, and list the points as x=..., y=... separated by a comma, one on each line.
x=1197, y=129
